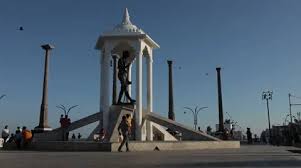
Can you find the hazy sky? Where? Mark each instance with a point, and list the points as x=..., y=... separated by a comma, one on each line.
x=257, y=44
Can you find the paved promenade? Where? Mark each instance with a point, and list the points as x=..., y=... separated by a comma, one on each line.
x=246, y=156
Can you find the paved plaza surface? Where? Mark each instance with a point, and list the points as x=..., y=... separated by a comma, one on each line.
x=246, y=156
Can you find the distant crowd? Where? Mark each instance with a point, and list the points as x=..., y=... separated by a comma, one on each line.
x=21, y=138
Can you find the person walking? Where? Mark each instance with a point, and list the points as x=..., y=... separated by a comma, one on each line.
x=5, y=133
x=129, y=122
x=123, y=130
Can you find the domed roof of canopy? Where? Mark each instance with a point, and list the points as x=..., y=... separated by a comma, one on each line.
x=126, y=25
x=125, y=29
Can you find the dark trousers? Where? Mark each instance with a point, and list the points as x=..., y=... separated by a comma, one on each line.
x=18, y=143
x=5, y=138
x=124, y=141
x=65, y=135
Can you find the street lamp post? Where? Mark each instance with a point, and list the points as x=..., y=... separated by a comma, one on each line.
x=291, y=116
x=267, y=95
x=65, y=109
x=292, y=104
x=290, y=107
x=195, y=113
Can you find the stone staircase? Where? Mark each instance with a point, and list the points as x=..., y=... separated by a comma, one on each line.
x=57, y=134
x=187, y=133
x=115, y=117
x=161, y=131
x=116, y=113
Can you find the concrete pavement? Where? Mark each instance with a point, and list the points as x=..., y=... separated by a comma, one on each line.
x=246, y=156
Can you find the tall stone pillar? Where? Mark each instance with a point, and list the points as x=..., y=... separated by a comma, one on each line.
x=149, y=125
x=138, y=113
x=171, y=114
x=220, y=100
x=115, y=77
x=104, y=88
x=43, y=123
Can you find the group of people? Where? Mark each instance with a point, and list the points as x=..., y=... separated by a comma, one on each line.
x=228, y=135
x=102, y=135
x=125, y=131
x=65, y=121
x=21, y=138
x=74, y=137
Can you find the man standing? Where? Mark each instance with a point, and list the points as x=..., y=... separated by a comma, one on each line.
x=18, y=137
x=5, y=133
x=26, y=136
x=249, y=136
x=123, y=130
x=68, y=124
x=65, y=122
x=73, y=137
x=62, y=120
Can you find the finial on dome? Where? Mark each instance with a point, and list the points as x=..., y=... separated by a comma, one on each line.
x=126, y=17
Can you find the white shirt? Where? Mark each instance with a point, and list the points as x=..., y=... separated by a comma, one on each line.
x=5, y=132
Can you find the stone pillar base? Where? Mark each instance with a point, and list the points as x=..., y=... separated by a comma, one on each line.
x=42, y=129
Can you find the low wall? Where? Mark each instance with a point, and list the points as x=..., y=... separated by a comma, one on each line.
x=180, y=145
x=134, y=146
x=72, y=146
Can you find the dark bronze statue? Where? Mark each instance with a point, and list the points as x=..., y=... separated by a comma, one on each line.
x=123, y=71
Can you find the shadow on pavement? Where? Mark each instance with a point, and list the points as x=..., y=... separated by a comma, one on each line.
x=258, y=163
x=295, y=151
